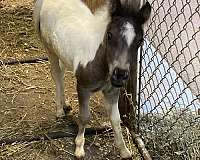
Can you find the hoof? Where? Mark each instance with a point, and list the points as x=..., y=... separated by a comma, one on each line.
x=63, y=112
x=60, y=114
x=127, y=158
x=67, y=108
x=79, y=158
x=80, y=154
x=126, y=154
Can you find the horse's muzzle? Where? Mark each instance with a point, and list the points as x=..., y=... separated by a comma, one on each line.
x=119, y=77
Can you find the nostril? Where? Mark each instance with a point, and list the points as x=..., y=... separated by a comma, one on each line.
x=116, y=71
x=125, y=75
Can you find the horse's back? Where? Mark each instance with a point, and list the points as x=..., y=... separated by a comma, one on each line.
x=63, y=12
x=71, y=31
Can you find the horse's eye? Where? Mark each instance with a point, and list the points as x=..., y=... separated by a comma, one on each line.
x=109, y=36
x=140, y=42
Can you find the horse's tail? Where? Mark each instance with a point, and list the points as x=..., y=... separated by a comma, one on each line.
x=36, y=15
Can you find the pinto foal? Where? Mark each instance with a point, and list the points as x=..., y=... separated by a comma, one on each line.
x=98, y=48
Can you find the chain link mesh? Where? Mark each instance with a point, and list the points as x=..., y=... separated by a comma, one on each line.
x=169, y=94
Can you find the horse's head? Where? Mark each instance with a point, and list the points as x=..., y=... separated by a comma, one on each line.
x=123, y=37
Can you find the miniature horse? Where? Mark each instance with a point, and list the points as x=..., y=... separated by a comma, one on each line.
x=98, y=48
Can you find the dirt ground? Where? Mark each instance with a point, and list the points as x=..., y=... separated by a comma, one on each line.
x=27, y=105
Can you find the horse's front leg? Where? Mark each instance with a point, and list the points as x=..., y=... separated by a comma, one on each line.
x=84, y=117
x=111, y=105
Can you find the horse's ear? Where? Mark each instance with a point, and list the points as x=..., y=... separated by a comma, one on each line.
x=144, y=13
x=115, y=8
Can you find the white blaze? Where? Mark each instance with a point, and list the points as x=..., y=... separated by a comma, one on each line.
x=128, y=32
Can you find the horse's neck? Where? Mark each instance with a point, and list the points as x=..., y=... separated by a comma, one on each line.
x=92, y=38
x=96, y=72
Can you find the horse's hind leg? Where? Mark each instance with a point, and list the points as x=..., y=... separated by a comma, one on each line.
x=65, y=103
x=57, y=71
x=111, y=105
x=84, y=116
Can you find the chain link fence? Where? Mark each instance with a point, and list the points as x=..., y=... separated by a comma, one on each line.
x=168, y=113
x=169, y=87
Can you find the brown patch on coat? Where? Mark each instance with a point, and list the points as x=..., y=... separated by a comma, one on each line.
x=95, y=75
x=94, y=4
